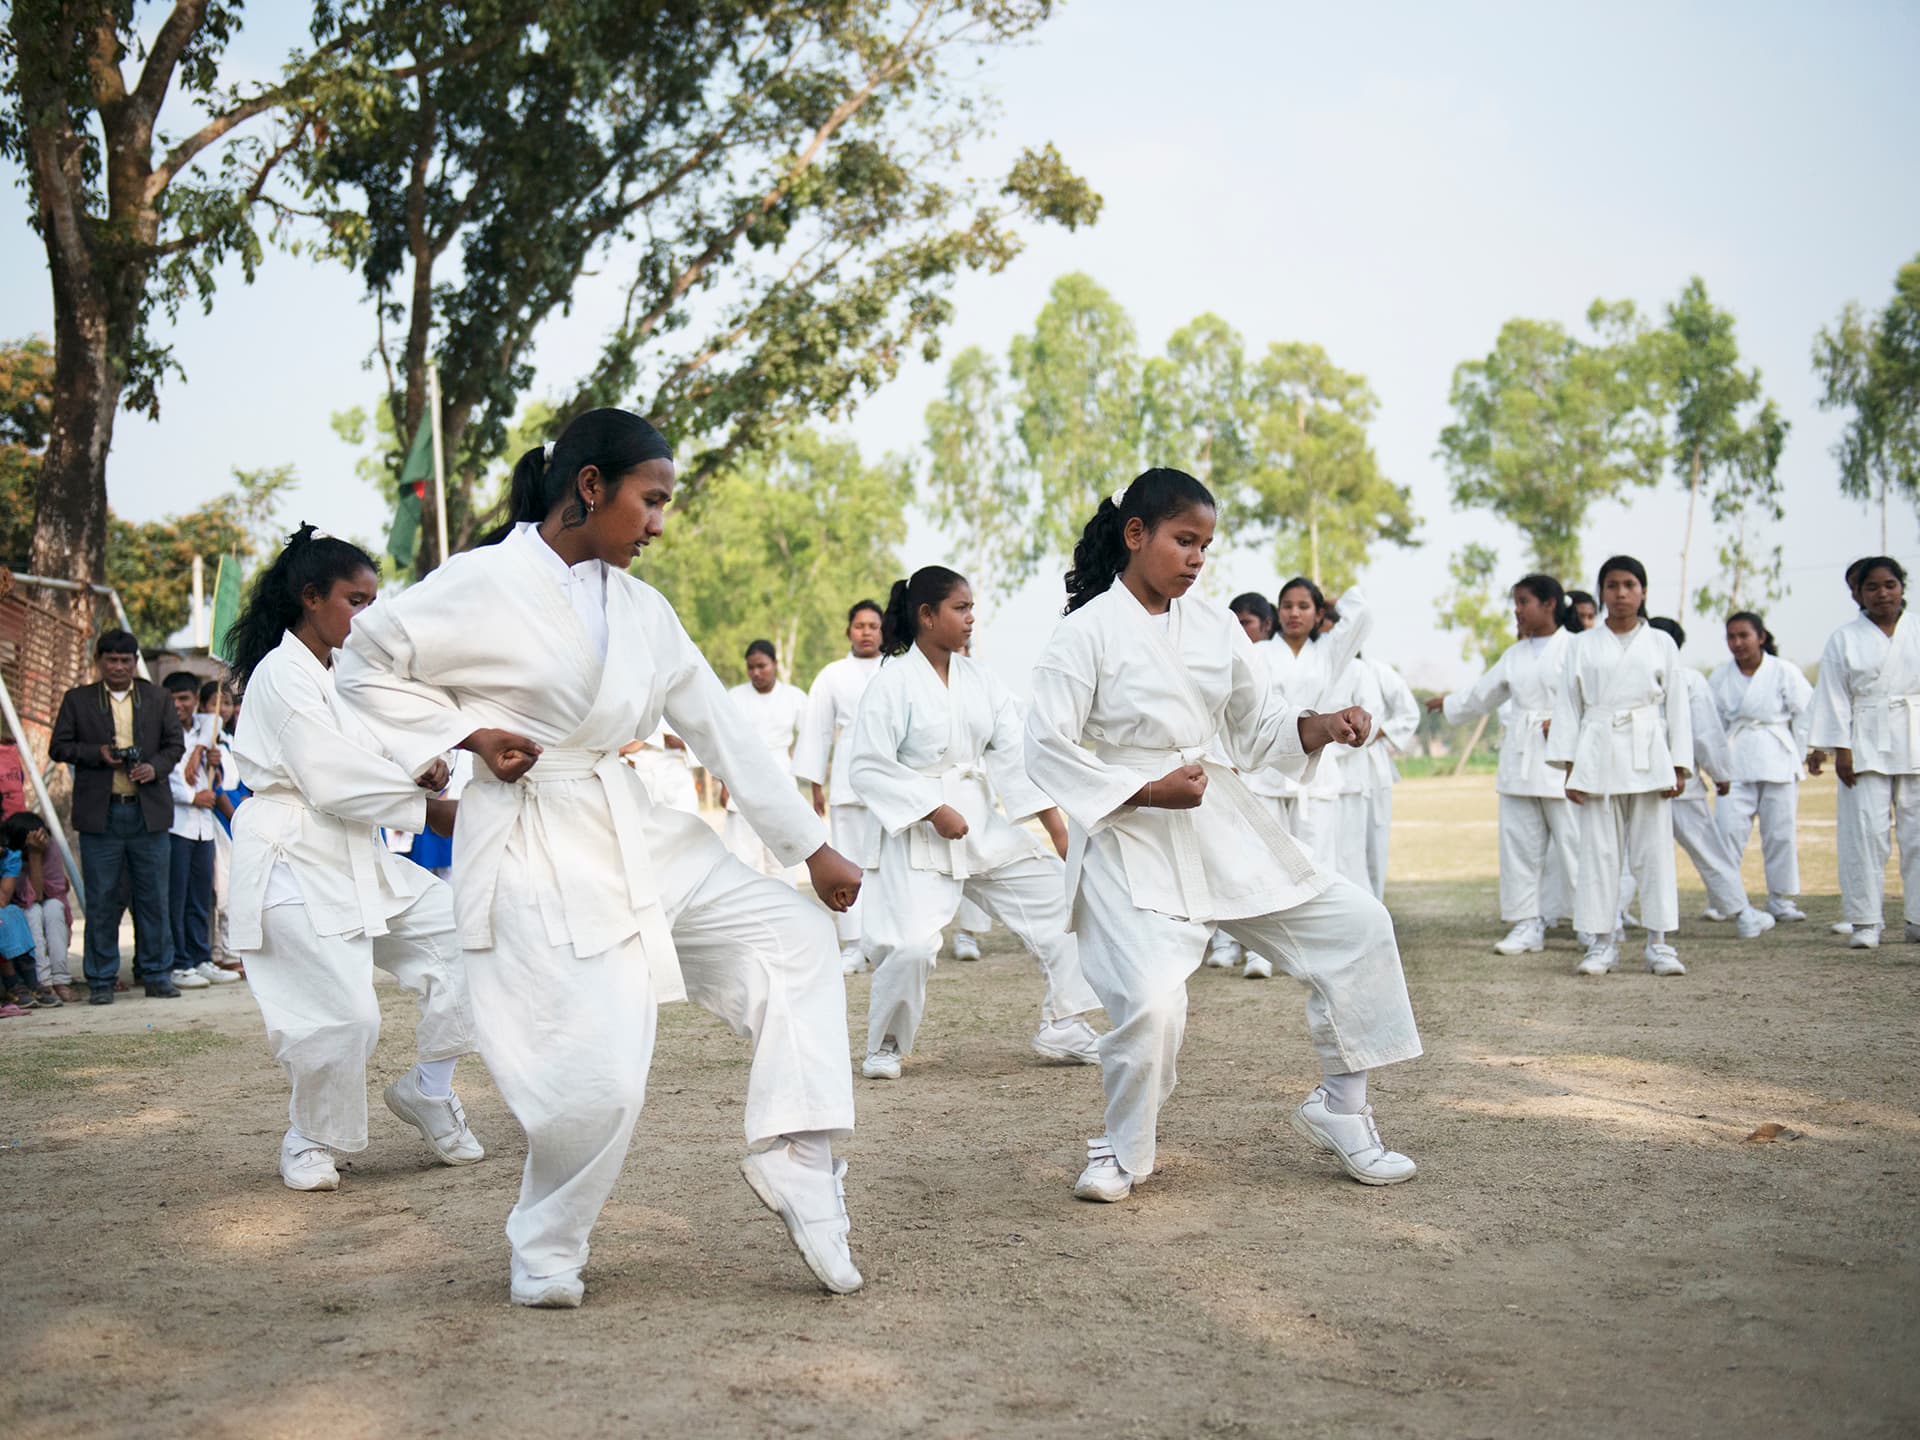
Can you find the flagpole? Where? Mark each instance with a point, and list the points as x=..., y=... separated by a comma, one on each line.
x=439, y=465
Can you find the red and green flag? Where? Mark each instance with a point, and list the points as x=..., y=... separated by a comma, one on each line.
x=403, y=539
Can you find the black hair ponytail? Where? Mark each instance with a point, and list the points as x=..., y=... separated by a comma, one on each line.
x=613, y=441
x=900, y=621
x=1627, y=565
x=1749, y=617
x=1571, y=618
x=309, y=561
x=1548, y=591
x=1101, y=552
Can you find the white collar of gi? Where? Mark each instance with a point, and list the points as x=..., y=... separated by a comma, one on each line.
x=529, y=533
x=297, y=648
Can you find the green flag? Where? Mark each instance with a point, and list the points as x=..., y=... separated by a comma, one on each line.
x=226, y=605
x=403, y=540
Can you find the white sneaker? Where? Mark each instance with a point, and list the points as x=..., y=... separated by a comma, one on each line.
x=1783, y=909
x=1864, y=937
x=1751, y=922
x=1258, y=968
x=966, y=945
x=1663, y=960
x=1223, y=951
x=813, y=1205
x=1072, y=1039
x=1913, y=933
x=1524, y=937
x=546, y=1292
x=882, y=1064
x=190, y=980
x=440, y=1119
x=1601, y=957
x=852, y=960
x=213, y=974
x=1103, y=1179
x=1715, y=915
x=1353, y=1139
x=1841, y=927
x=306, y=1166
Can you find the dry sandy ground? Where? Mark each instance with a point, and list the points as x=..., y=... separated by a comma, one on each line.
x=1592, y=1246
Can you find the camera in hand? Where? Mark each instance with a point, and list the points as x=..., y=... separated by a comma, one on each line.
x=128, y=755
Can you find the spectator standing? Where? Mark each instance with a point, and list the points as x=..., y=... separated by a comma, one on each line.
x=190, y=877
x=122, y=737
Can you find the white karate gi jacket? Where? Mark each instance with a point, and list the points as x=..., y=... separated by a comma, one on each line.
x=1767, y=716
x=1524, y=686
x=1396, y=717
x=775, y=717
x=821, y=755
x=322, y=786
x=1120, y=698
x=490, y=640
x=1610, y=730
x=1712, y=757
x=919, y=744
x=1305, y=681
x=1868, y=698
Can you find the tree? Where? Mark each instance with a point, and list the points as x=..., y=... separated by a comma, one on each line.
x=149, y=562
x=1312, y=480
x=1476, y=606
x=1748, y=495
x=1548, y=424
x=773, y=183
x=136, y=223
x=26, y=409
x=777, y=547
x=1872, y=368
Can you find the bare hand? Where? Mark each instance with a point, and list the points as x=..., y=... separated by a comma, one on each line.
x=1055, y=824
x=1350, y=726
x=1815, y=759
x=434, y=778
x=1436, y=702
x=106, y=755
x=440, y=815
x=836, y=879
x=141, y=774
x=203, y=800
x=508, y=756
x=1843, y=765
x=1578, y=797
x=1723, y=787
x=1180, y=789
x=723, y=794
x=1679, y=784
x=820, y=802
x=948, y=823
x=194, y=757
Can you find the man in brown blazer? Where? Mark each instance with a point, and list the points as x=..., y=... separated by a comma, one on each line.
x=122, y=737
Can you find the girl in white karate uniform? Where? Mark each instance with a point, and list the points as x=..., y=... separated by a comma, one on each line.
x=584, y=905
x=1766, y=705
x=937, y=736
x=1135, y=685
x=1622, y=732
x=774, y=709
x=1714, y=856
x=1866, y=710
x=1276, y=789
x=820, y=757
x=1394, y=726
x=1537, y=822
x=316, y=899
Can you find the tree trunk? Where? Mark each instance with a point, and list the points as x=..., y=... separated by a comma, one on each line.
x=1313, y=546
x=1466, y=753
x=1686, y=535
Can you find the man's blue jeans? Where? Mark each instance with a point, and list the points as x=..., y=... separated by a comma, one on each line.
x=190, y=900
x=144, y=856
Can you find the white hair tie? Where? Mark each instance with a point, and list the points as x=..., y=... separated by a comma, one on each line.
x=546, y=450
x=1119, y=496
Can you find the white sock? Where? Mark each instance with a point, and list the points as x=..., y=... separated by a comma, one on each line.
x=1346, y=1094
x=811, y=1148
x=1656, y=937
x=435, y=1077
x=297, y=1142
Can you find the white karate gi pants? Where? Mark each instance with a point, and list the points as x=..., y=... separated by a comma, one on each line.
x=218, y=928
x=1713, y=855
x=568, y=1039
x=47, y=921
x=1535, y=832
x=1379, y=838
x=1872, y=812
x=971, y=918
x=1340, y=943
x=853, y=831
x=1350, y=844
x=746, y=846
x=1776, y=804
x=1634, y=832
x=909, y=907
x=315, y=993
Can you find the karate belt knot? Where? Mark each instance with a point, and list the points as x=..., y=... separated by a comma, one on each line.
x=1881, y=708
x=1532, y=737
x=1643, y=719
x=1776, y=728
x=964, y=788
x=1229, y=788
x=552, y=809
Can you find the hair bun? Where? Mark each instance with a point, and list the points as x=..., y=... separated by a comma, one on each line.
x=304, y=535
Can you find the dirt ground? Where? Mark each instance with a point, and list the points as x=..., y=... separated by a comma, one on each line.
x=1592, y=1246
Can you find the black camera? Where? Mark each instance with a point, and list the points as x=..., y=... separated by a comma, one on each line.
x=128, y=756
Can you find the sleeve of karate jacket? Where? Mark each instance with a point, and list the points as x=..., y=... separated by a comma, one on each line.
x=1832, y=724
x=700, y=713
x=1799, y=697
x=897, y=794
x=1080, y=782
x=1261, y=730
x=1679, y=711
x=814, y=746
x=1563, y=737
x=1007, y=755
x=1401, y=718
x=1349, y=632
x=1486, y=695
x=1710, y=754
x=376, y=672
x=334, y=773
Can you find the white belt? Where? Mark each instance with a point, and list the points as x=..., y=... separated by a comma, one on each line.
x=1643, y=719
x=1186, y=842
x=1883, y=706
x=1742, y=724
x=595, y=926
x=955, y=782
x=360, y=862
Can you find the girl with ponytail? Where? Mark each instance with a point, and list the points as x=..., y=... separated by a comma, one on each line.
x=1622, y=732
x=1538, y=827
x=1138, y=682
x=316, y=900
x=938, y=737
x=773, y=709
x=583, y=905
x=1766, y=706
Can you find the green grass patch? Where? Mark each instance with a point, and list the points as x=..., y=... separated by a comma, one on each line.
x=69, y=1061
x=1421, y=767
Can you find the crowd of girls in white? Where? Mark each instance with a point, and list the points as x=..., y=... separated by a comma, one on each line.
x=1211, y=778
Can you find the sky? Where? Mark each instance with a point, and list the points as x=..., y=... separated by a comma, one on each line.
x=1391, y=182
